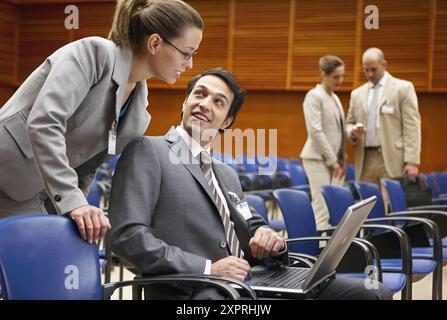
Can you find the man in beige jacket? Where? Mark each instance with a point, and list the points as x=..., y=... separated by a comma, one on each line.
x=384, y=123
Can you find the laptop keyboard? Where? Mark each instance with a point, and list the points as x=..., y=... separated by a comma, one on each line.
x=291, y=278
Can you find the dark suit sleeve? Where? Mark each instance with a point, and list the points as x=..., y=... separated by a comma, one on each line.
x=134, y=196
x=257, y=221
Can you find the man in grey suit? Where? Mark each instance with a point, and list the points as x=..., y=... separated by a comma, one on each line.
x=174, y=210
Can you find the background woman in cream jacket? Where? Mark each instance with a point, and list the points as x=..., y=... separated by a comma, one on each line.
x=83, y=104
x=324, y=151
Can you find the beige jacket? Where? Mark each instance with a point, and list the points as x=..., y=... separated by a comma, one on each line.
x=324, y=126
x=399, y=125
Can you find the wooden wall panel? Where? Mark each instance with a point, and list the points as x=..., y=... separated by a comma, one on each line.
x=403, y=37
x=213, y=50
x=440, y=47
x=283, y=111
x=42, y=31
x=322, y=27
x=7, y=43
x=251, y=37
x=261, y=43
x=6, y=92
x=95, y=19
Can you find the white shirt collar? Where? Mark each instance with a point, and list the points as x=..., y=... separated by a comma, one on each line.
x=192, y=144
x=382, y=81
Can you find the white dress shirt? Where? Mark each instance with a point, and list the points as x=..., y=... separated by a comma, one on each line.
x=195, y=149
x=381, y=84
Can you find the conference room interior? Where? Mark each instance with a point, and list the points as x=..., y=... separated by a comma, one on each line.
x=273, y=49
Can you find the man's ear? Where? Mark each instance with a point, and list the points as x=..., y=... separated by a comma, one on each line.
x=385, y=64
x=228, y=121
x=153, y=43
x=184, y=104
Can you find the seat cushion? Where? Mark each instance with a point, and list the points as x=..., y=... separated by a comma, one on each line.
x=444, y=242
x=427, y=253
x=420, y=266
x=394, y=282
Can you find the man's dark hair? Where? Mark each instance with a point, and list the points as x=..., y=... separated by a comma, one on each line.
x=231, y=82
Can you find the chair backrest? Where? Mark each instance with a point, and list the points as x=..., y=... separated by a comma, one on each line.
x=395, y=194
x=432, y=183
x=94, y=195
x=44, y=257
x=441, y=179
x=299, y=218
x=350, y=172
x=258, y=204
x=283, y=164
x=367, y=190
x=295, y=161
x=249, y=164
x=337, y=199
x=297, y=175
x=114, y=161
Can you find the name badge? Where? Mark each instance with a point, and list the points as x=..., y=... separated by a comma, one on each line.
x=244, y=210
x=387, y=109
x=112, y=142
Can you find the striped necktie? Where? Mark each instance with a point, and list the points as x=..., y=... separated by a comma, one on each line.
x=233, y=244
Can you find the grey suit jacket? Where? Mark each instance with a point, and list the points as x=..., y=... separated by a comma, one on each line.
x=162, y=213
x=54, y=129
x=400, y=130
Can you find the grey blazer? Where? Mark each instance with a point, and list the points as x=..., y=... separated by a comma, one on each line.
x=162, y=213
x=54, y=129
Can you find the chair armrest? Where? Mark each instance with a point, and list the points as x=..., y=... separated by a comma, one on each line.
x=365, y=249
x=440, y=207
x=302, y=257
x=432, y=226
x=209, y=280
x=429, y=214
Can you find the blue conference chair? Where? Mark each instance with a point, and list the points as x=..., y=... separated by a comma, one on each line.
x=350, y=172
x=56, y=264
x=437, y=197
x=339, y=198
x=298, y=178
x=300, y=223
x=398, y=205
x=257, y=202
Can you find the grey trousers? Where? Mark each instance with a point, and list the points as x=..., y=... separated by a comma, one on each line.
x=337, y=289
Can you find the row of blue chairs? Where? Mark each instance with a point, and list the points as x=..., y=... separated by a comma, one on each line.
x=404, y=261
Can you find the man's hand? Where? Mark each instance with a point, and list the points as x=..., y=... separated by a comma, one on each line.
x=337, y=170
x=265, y=243
x=232, y=267
x=92, y=222
x=358, y=130
x=411, y=170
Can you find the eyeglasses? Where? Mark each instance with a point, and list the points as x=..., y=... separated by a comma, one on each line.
x=186, y=55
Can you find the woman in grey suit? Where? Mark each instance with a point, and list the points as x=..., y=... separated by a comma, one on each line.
x=324, y=152
x=83, y=104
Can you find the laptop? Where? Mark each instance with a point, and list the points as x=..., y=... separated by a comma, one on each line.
x=296, y=282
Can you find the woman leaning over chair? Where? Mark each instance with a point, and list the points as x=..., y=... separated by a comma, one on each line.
x=324, y=151
x=84, y=103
